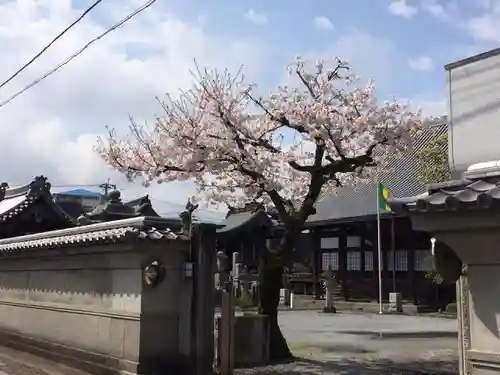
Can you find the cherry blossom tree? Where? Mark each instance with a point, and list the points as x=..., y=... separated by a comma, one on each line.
x=322, y=131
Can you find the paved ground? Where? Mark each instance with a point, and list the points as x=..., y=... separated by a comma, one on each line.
x=338, y=344
x=358, y=344
x=13, y=362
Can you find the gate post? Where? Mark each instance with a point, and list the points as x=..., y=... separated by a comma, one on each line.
x=204, y=299
x=227, y=284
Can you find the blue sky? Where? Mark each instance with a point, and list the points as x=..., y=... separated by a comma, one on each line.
x=416, y=37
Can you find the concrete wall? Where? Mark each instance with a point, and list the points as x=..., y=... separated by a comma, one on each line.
x=90, y=304
x=474, y=108
x=475, y=238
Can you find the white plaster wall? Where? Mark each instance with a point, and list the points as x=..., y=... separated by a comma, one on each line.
x=474, y=108
x=484, y=295
x=78, y=282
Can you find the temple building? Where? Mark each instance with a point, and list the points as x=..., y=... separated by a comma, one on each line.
x=32, y=209
x=342, y=234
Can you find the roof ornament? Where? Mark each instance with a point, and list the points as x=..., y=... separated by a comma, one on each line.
x=3, y=188
x=39, y=185
x=112, y=209
x=143, y=205
x=187, y=218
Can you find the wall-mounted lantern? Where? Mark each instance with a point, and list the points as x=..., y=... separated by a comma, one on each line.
x=153, y=274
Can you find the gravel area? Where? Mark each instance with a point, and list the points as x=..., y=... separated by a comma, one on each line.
x=358, y=344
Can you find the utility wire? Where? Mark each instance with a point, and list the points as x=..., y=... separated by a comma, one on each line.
x=174, y=211
x=79, y=52
x=87, y=11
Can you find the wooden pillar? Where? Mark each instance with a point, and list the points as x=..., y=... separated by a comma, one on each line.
x=343, y=262
x=411, y=260
x=203, y=242
x=373, y=239
x=316, y=262
x=361, y=232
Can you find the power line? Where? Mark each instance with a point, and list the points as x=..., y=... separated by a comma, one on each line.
x=87, y=11
x=79, y=52
x=106, y=187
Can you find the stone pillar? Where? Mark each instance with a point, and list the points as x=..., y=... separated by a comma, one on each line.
x=330, y=287
x=227, y=284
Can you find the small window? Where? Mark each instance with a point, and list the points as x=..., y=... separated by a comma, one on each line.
x=368, y=260
x=353, y=242
x=330, y=260
x=353, y=261
x=401, y=260
x=421, y=260
x=330, y=243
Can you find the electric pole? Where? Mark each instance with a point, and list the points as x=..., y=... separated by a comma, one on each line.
x=106, y=187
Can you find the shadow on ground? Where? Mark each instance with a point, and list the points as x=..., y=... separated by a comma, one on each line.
x=304, y=366
x=402, y=334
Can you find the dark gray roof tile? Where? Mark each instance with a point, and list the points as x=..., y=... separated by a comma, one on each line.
x=402, y=178
x=244, y=220
x=14, y=201
x=465, y=194
x=109, y=232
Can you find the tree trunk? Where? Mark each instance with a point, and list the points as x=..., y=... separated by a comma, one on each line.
x=271, y=280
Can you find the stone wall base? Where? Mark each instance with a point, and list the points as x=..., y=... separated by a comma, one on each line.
x=84, y=360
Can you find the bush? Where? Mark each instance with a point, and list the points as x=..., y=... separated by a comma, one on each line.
x=300, y=268
x=432, y=275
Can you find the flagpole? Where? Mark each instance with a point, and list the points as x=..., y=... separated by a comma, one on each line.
x=379, y=247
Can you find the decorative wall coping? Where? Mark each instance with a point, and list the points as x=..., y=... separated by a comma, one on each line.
x=457, y=195
x=139, y=228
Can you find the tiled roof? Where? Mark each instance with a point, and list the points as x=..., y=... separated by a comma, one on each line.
x=244, y=220
x=73, y=208
x=142, y=205
x=402, y=178
x=102, y=233
x=14, y=201
x=477, y=190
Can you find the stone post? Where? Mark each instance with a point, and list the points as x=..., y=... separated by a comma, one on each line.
x=330, y=286
x=235, y=276
x=227, y=284
x=224, y=333
x=244, y=285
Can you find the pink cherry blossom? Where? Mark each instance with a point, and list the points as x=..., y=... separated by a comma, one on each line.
x=284, y=149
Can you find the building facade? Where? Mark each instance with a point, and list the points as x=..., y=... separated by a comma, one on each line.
x=88, y=200
x=342, y=235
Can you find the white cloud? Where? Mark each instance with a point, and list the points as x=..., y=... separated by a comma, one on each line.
x=323, y=23
x=432, y=108
x=445, y=12
x=51, y=129
x=485, y=28
x=402, y=8
x=421, y=63
x=257, y=18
